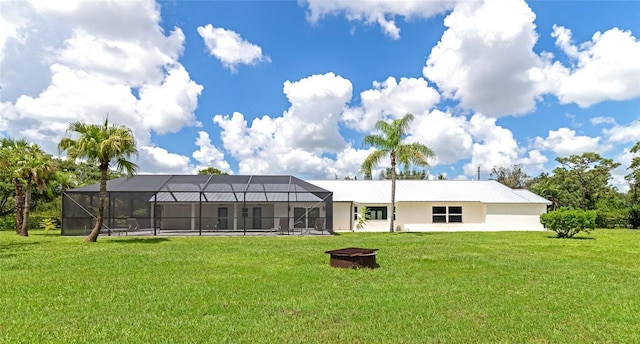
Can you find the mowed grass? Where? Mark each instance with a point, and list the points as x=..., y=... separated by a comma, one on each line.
x=508, y=287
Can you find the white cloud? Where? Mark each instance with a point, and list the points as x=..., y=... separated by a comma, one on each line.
x=135, y=20
x=170, y=105
x=348, y=162
x=391, y=99
x=533, y=163
x=624, y=133
x=136, y=63
x=564, y=41
x=311, y=123
x=448, y=136
x=57, y=6
x=87, y=60
x=606, y=68
x=494, y=146
x=157, y=160
x=288, y=144
x=297, y=141
x=230, y=48
x=263, y=148
x=485, y=58
x=378, y=12
x=11, y=25
x=208, y=155
x=73, y=95
x=564, y=142
x=302, y=140
x=6, y=111
x=602, y=120
x=479, y=139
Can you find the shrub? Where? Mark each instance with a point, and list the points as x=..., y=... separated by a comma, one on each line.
x=634, y=216
x=607, y=218
x=48, y=224
x=362, y=218
x=569, y=222
x=8, y=222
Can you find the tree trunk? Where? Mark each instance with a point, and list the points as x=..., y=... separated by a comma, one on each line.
x=19, y=200
x=93, y=236
x=393, y=191
x=24, y=228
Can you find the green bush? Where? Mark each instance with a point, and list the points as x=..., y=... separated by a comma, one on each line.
x=617, y=218
x=36, y=217
x=569, y=222
x=8, y=222
x=634, y=216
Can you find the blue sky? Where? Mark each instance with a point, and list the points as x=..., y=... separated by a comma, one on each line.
x=286, y=87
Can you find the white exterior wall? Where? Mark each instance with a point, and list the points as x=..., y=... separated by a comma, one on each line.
x=515, y=216
x=342, y=216
x=176, y=216
x=375, y=226
x=280, y=210
x=418, y=217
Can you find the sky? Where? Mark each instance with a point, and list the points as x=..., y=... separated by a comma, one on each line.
x=292, y=87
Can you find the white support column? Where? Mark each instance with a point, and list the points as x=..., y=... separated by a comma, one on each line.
x=235, y=216
x=193, y=216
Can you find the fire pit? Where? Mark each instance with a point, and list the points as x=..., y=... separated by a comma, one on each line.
x=353, y=257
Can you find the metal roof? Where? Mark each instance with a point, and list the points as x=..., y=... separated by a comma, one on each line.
x=219, y=188
x=379, y=191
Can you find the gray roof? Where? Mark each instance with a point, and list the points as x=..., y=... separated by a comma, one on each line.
x=379, y=191
x=219, y=188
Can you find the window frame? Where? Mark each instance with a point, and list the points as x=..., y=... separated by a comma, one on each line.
x=382, y=211
x=446, y=214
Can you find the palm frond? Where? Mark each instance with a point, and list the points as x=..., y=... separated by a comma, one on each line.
x=372, y=161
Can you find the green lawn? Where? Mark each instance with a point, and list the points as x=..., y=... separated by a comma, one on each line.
x=507, y=287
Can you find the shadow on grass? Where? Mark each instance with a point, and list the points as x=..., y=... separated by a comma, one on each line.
x=574, y=238
x=415, y=233
x=18, y=244
x=155, y=240
x=387, y=232
x=6, y=255
x=53, y=233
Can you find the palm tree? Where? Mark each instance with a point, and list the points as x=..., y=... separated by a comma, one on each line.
x=11, y=152
x=35, y=168
x=388, y=142
x=102, y=145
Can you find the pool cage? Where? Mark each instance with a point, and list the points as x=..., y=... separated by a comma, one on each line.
x=200, y=204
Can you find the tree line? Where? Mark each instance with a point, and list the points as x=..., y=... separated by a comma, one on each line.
x=33, y=181
x=584, y=182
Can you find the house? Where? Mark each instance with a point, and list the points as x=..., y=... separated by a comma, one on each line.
x=197, y=204
x=439, y=205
